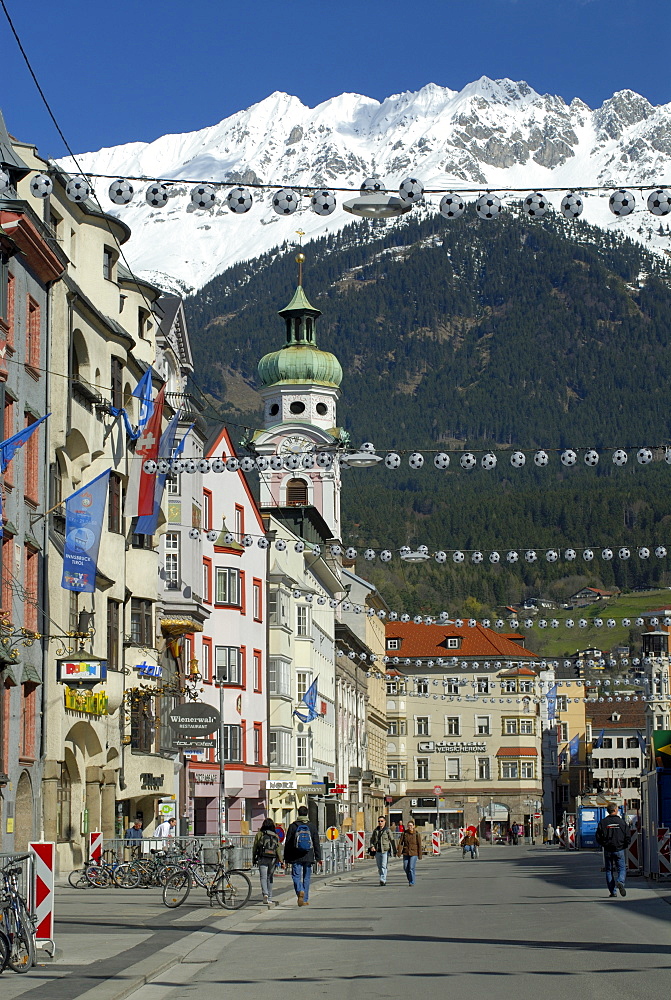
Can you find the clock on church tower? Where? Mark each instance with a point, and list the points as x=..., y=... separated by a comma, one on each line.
x=300, y=390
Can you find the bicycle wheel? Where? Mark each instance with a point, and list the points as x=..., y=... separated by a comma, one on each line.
x=78, y=879
x=126, y=876
x=232, y=889
x=143, y=872
x=98, y=876
x=177, y=888
x=5, y=949
x=22, y=943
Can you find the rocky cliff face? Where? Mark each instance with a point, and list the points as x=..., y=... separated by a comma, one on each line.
x=494, y=134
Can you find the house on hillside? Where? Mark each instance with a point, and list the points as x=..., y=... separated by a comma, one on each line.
x=590, y=595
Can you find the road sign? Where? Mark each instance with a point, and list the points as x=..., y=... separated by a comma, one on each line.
x=281, y=833
x=437, y=789
x=332, y=833
x=537, y=815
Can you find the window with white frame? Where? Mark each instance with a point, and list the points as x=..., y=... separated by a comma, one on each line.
x=279, y=747
x=397, y=772
x=422, y=687
x=508, y=686
x=452, y=725
x=303, y=755
x=510, y=769
x=302, y=620
x=278, y=607
x=227, y=586
x=392, y=687
x=526, y=727
x=562, y=732
x=526, y=687
x=172, y=486
x=453, y=642
x=422, y=725
x=484, y=770
x=482, y=725
x=510, y=727
x=452, y=768
x=171, y=560
x=303, y=682
x=279, y=676
x=483, y=685
x=228, y=664
x=562, y=702
x=421, y=768
x=207, y=665
x=232, y=743
x=527, y=767
x=452, y=685
x=393, y=643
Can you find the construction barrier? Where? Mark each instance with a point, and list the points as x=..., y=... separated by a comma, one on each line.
x=633, y=853
x=435, y=841
x=571, y=838
x=462, y=833
x=664, y=850
x=42, y=895
x=360, y=845
x=96, y=847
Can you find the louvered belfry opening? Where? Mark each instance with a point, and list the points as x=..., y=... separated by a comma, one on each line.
x=297, y=493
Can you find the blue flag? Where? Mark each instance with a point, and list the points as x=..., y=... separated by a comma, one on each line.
x=598, y=742
x=642, y=745
x=9, y=447
x=132, y=432
x=84, y=518
x=180, y=447
x=574, y=747
x=147, y=524
x=143, y=391
x=310, y=701
x=562, y=758
x=552, y=703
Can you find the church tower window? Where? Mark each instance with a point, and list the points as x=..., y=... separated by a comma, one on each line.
x=297, y=493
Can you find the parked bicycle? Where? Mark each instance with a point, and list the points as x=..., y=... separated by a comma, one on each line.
x=230, y=887
x=18, y=929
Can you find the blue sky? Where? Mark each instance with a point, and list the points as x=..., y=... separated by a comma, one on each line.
x=123, y=71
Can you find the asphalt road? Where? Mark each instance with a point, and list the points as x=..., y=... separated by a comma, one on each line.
x=525, y=923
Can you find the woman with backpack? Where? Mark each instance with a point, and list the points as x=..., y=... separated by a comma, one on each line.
x=267, y=854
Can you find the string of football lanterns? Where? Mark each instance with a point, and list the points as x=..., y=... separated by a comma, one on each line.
x=374, y=200
x=367, y=457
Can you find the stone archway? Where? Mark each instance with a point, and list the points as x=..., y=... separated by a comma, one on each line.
x=24, y=813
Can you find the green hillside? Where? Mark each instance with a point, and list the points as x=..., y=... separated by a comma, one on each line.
x=474, y=334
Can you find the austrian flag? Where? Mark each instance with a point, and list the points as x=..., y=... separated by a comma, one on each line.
x=141, y=485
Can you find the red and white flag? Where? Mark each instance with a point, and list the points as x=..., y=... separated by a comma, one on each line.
x=141, y=485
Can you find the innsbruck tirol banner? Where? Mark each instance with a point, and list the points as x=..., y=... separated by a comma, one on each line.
x=84, y=518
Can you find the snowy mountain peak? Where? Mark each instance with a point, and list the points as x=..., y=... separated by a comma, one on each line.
x=496, y=134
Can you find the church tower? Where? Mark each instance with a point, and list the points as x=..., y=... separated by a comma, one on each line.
x=300, y=390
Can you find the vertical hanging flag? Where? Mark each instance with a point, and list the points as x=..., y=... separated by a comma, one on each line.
x=143, y=392
x=552, y=703
x=141, y=484
x=598, y=742
x=310, y=701
x=574, y=747
x=84, y=518
x=642, y=745
x=9, y=447
x=148, y=524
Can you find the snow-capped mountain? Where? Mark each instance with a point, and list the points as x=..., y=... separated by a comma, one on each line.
x=493, y=134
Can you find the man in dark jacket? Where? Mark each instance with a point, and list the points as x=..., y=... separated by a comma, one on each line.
x=613, y=835
x=301, y=850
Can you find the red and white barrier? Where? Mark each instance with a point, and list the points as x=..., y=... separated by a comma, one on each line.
x=96, y=847
x=633, y=853
x=349, y=838
x=435, y=841
x=571, y=838
x=462, y=833
x=42, y=900
x=664, y=850
x=360, y=845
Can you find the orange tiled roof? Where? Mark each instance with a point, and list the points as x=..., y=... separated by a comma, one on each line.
x=517, y=752
x=522, y=671
x=429, y=641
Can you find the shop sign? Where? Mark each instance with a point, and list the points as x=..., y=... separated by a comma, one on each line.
x=86, y=701
x=151, y=780
x=149, y=669
x=310, y=789
x=91, y=671
x=280, y=786
x=204, y=777
x=194, y=745
x=444, y=746
x=195, y=719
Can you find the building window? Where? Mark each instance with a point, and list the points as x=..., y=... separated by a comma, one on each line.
x=452, y=768
x=562, y=732
x=206, y=660
x=239, y=522
x=303, y=756
x=303, y=682
x=257, y=600
x=393, y=643
x=396, y=727
x=453, y=725
x=207, y=581
x=482, y=725
x=526, y=687
x=142, y=722
x=484, y=771
x=483, y=685
x=114, y=504
x=108, y=263
x=392, y=687
x=297, y=493
x=422, y=725
x=28, y=706
x=562, y=703
x=279, y=677
x=452, y=685
x=279, y=748
x=607, y=743
x=113, y=620
x=30, y=592
x=207, y=510
x=64, y=830
x=508, y=686
x=278, y=608
x=141, y=624
x=31, y=463
x=171, y=560
x=422, y=687
x=527, y=768
x=33, y=334
x=302, y=620
x=258, y=674
x=172, y=486
x=10, y=312
x=397, y=771
x=228, y=586
x=421, y=768
x=228, y=665
x=73, y=611
x=257, y=742
x=454, y=643
x=116, y=380
x=510, y=727
x=526, y=727
x=232, y=743
x=510, y=769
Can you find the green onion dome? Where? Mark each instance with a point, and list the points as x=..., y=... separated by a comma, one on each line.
x=300, y=360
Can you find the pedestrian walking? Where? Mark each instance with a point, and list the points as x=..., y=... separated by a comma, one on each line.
x=613, y=835
x=267, y=854
x=515, y=831
x=410, y=849
x=301, y=850
x=382, y=844
x=134, y=833
x=469, y=845
x=550, y=835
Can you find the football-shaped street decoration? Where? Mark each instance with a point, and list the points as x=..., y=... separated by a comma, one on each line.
x=77, y=189
x=194, y=534
x=607, y=554
x=591, y=457
x=441, y=460
x=660, y=551
x=452, y=205
x=535, y=205
x=372, y=185
x=568, y=458
x=41, y=186
x=512, y=556
x=416, y=460
x=324, y=460
x=468, y=461
x=385, y=555
x=218, y=465
x=552, y=555
x=477, y=558
x=488, y=461
x=659, y=201
x=156, y=195
x=624, y=553
x=232, y=464
x=644, y=456
x=569, y=555
x=239, y=200
x=530, y=556
x=518, y=459
x=572, y=205
x=411, y=191
x=203, y=196
x=494, y=557
x=620, y=457
x=541, y=458
x=323, y=202
x=622, y=202
x=120, y=191
x=488, y=206
x=644, y=552
x=458, y=557
x=392, y=460
x=285, y=201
